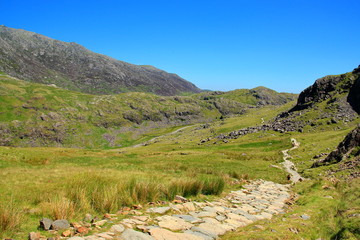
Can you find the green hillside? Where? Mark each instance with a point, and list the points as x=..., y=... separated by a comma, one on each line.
x=41, y=115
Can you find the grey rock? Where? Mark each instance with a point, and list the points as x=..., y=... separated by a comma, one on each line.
x=45, y=223
x=205, y=232
x=204, y=236
x=305, y=217
x=130, y=234
x=189, y=218
x=60, y=225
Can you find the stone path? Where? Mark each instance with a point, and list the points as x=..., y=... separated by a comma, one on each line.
x=288, y=165
x=200, y=221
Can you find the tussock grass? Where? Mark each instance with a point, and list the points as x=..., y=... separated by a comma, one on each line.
x=10, y=217
x=58, y=207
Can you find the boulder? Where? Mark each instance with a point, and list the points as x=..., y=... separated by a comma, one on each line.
x=46, y=223
x=60, y=225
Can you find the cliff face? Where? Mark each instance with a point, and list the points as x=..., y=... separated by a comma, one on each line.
x=40, y=59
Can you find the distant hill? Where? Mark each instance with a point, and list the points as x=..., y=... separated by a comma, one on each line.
x=37, y=58
x=40, y=115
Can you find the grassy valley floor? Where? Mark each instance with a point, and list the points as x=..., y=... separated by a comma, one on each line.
x=68, y=182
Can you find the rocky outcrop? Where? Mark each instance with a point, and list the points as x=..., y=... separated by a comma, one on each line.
x=354, y=94
x=328, y=101
x=350, y=145
x=326, y=88
x=36, y=58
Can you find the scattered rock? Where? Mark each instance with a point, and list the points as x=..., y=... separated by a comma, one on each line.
x=60, y=225
x=36, y=236
x=82, y=230
x=46, y=223
x=66, y=233
x=305, y=217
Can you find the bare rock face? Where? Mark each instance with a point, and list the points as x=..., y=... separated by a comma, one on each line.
x=326, y=87
x=351, y=142
x=36, y=58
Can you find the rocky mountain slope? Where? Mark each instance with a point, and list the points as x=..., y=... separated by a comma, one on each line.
x=37, y=58
x=40, y=115
x=349, y=147
x=331, y=102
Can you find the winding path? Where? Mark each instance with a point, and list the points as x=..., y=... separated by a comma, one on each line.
x=288, y=165
x=257, y=200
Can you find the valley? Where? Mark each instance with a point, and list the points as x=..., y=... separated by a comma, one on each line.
x=93, y=148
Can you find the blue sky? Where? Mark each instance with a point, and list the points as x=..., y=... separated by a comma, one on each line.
x=220, y=45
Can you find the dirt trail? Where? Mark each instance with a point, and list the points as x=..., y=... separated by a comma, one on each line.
x=288, y=165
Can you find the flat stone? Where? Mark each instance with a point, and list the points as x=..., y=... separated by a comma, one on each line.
x=118, y=228
x=206, y=214
x=76, y=238
x=204, y=231
x=220, y=218
x=174, y=223
x=163, y=234
x=210, y=209
x=235, y=223
x=189, y=206
x=199, y=234
x=130, y=234
x=159, y=210
x=214, y=228
x=189, y=218
x=105, y=235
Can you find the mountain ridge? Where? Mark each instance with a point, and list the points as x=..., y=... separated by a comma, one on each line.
x=38, y=58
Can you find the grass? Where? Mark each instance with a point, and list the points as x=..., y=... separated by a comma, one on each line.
x=11, y=217
x=98, y=181
x=102, y=177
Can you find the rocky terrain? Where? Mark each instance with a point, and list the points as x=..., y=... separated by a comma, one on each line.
x=349, y=147
x=328, y=101
x=37, y=58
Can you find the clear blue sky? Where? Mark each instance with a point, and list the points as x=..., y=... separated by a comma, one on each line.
x=220, y=45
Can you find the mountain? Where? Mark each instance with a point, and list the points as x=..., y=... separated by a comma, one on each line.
x=332, y=102
x=40, y=115
x=37, y=58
